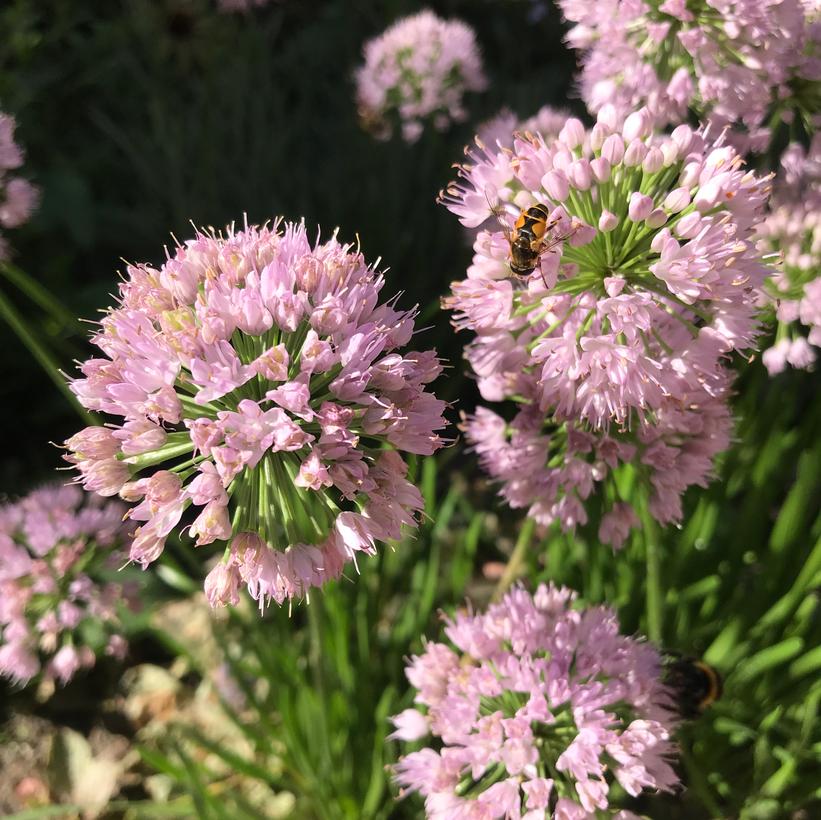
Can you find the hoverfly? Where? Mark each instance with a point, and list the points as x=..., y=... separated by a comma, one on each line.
x=530, y=238
x=695, y=684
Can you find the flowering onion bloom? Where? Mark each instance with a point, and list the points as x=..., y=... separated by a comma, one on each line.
x=420, y=68
x=614, y=348
x=793, y=228
x=539, y=708
x=57, y=610
x=735, y=58
x=18, y=197
x=258, y=380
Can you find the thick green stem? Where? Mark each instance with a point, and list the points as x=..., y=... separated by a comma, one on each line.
x=44, y=358
x=652, y=557
x=516, y=560
x=173, y=449
x=699, y=785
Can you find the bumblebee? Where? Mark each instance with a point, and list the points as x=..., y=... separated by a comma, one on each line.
x=695, y=684
x=530, y=238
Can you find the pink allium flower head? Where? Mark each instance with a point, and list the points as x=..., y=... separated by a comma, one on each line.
x=538, y=701
x=265, y=401
x=793, y=230
x=419, y=69
x=18, y=197
x=734, y=58
x=614, y=348
x=58, y=547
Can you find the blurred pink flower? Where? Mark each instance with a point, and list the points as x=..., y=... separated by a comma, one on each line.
x=57, y=547
x=18, y=197
x=547, y=121
x=793, y=231
x=419, y=69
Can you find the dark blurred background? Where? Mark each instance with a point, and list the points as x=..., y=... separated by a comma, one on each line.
x=140, y=117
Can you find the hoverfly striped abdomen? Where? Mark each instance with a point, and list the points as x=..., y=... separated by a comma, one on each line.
x=527, y=239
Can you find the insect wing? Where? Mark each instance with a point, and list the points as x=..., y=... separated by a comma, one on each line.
x=498, y=212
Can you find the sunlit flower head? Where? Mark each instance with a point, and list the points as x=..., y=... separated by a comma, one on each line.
x=535, y=709
x=649, y=258
x=60, y=550
x=262, y=399
x=419, y=69
x=648, y=279
x=732, y=58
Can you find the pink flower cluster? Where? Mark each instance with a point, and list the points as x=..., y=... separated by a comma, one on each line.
x=614, y=350
x=419, y=68
x=260, y=372
x=535, y=714
x=551, y=467
x=793, y=228
x=58, y=546
x=734, y=58
x=18, y=197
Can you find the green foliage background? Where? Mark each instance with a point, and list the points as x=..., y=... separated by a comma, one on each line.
x=142, y=116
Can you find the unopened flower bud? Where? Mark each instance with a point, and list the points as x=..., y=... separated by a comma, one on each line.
x=607, y=221
x=638, y=125
x=677, y=200
x=635, y=153
x=556, y=185
x=580, y=175
x=573, y=133
x=653, y=160
x=656, y=218
x=601, y=169
x=613, y=149
x=639, y=207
